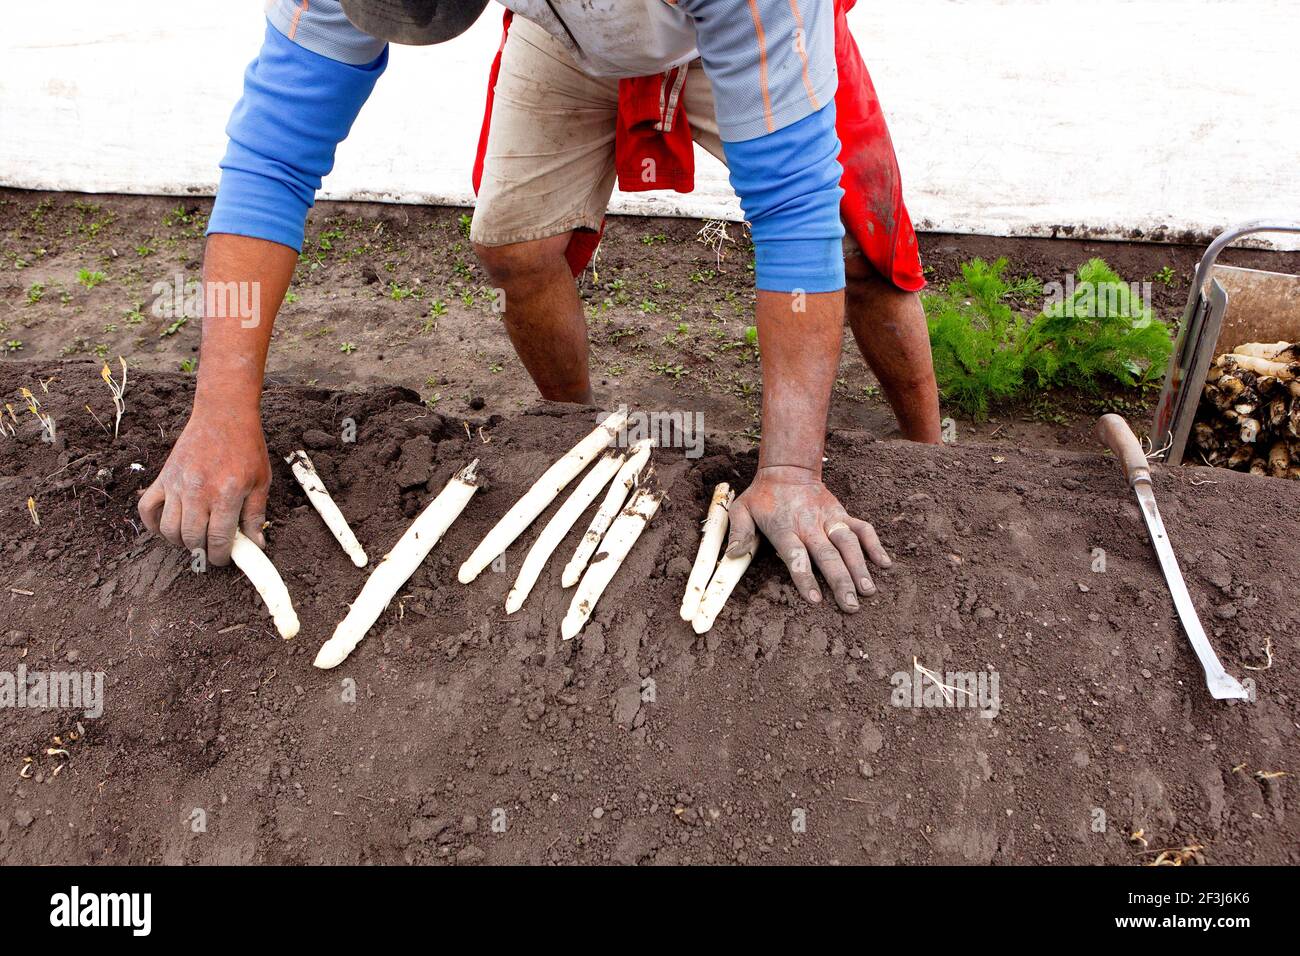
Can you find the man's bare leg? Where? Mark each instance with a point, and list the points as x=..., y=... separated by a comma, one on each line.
x=889, y=327
x=543, y=314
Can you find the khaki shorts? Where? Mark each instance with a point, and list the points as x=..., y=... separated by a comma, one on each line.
x=549, y=164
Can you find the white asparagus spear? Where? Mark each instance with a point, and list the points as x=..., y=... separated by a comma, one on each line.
x=324, y=504
x=1282, y=371
x=624, y=481
x=706, y=559
x=257, y=567
x=596, y=479
x=541, y=494
x=1261, y=350
x=398, y=565
x=627, y=527
x=725, y=578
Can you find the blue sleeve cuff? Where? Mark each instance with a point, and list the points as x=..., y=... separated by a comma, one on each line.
x=799, y=265
x=789, y=188
x=296, y=108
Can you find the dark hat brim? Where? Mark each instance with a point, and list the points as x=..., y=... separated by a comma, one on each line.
x=413, y=22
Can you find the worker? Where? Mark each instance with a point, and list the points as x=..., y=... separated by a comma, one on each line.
x=584, y=92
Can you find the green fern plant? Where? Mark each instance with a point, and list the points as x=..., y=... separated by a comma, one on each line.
x=985, y=352
x=1101, y=330
x=976, y=337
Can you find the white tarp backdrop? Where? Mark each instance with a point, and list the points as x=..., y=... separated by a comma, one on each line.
x=1010, y=117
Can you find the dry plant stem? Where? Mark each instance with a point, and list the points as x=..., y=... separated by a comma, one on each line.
x=706, y=559
x=541, y=494
x=624, y=481
x=627, y=527
x=398, y=565
x=321, y=500
x=596, y=479
x=257, y=567
x=725, y=578
x=119, y=392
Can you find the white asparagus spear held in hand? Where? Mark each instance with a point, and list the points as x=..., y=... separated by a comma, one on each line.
x=706, y=559
x=257, y=567
x=624, y=481
x=398, y=565
x=596, y=479
x=725, y=578
x=324, y=504
x=541, y=494
x=627, y=527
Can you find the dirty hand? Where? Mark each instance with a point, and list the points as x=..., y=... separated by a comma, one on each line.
x=797, y=513
x=216, y=478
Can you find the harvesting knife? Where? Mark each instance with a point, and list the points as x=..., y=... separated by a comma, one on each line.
x=1113, y=432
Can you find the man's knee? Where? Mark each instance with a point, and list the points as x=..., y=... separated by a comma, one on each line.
x=861, y=276
x=523, y=261
x=865, y=286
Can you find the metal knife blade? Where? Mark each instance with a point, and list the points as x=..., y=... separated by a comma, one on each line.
x=1222, y=685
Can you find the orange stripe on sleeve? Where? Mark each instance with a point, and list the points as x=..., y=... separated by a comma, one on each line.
x=297, y=15
x=802, y=46
x=762, y=65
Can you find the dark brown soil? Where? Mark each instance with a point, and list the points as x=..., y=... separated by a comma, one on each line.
x=781, y=715
x=389, y=294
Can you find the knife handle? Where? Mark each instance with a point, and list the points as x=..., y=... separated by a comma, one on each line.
x=1113, y=432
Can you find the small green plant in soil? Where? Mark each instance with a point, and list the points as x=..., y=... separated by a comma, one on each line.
x=986, y=352
x=180, y=216
x=674, y=371
x=188, y=366
x=347, y=348
x=1166, y=275
x=35, y=292
x=90, y=279
x=174, y=327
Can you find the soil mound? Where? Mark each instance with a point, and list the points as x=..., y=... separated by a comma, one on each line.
x=787, y=734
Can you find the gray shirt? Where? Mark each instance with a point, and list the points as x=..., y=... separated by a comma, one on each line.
x=771, y=62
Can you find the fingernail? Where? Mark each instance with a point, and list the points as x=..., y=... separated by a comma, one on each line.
x=815, y=596
x=851, y=600
x=866, y=585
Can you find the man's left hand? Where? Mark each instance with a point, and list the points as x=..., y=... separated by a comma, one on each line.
x=799, y=515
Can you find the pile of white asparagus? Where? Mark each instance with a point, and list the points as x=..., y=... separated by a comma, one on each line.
x=617, y=524
x=712, y=579
x=630, y=501
x=1249, y=417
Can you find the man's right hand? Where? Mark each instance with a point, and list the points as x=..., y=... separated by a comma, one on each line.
x=218, y=475
x=216, y=479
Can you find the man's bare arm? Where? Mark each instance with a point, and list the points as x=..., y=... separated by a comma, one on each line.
x=800, y=352
x=218, y=474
